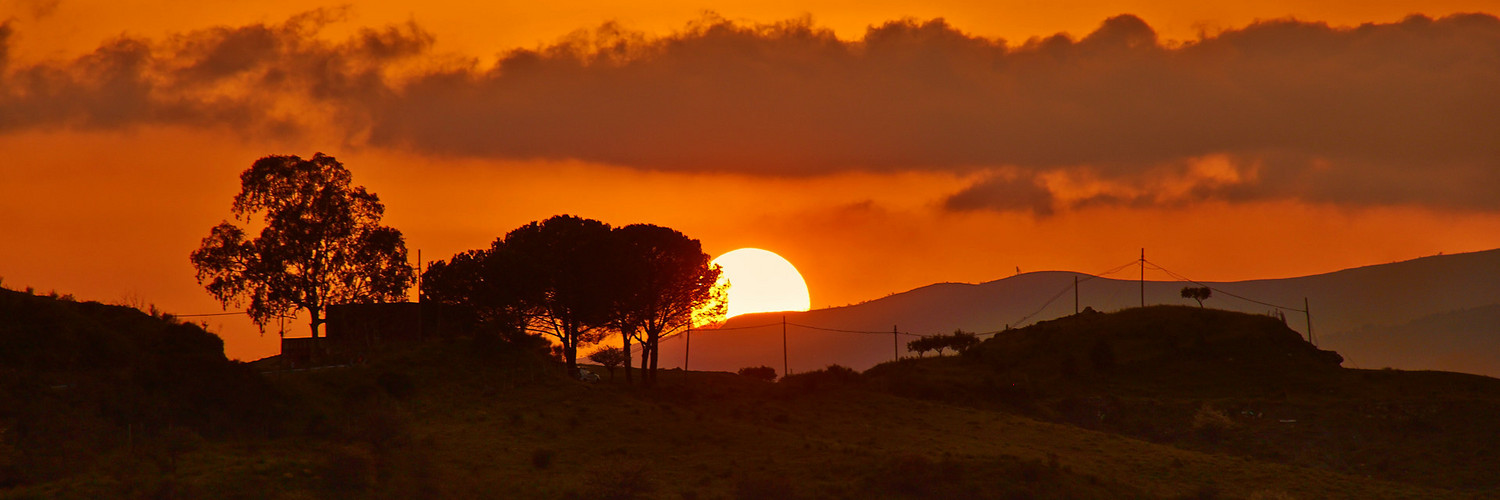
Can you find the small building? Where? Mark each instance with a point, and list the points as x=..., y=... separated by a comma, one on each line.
x=352, y=331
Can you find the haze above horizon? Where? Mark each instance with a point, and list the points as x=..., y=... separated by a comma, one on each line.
x=878, y=148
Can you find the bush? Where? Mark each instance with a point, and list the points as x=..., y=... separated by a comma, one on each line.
x=1212, y=424
x=765, y=373
x=833, y=376
x=611, y=358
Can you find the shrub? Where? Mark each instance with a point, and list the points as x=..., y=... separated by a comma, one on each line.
x=1212, y=424
x=611, y=358
x=833, y=376
x=765, y=373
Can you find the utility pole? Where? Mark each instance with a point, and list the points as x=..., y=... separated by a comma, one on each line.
x=688, y=349
x=895, y=343
x=1306, y=309
x=419, y=295
x=1075, y=294
x=784, y=370
x=1143, y=277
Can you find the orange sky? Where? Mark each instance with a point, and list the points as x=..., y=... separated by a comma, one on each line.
x=117, y=163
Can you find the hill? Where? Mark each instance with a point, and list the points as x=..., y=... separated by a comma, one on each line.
x=1227, y=383
x=1349, y=308
x=1202, y=416
x=465, y=419
x=81, y=379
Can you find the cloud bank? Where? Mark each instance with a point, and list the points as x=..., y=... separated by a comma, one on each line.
x=1381, y=114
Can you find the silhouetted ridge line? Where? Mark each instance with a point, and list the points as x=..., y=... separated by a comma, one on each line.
x=1216, y=289
x=1065, y=289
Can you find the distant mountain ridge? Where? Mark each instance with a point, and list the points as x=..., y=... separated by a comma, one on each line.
x=1349, y=309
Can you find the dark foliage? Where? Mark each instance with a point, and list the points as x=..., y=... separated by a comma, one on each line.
x=1199, y=294
x=960, y=342
x=834, y=376
x=765, y=373
x=321, y=244
x=573, y=279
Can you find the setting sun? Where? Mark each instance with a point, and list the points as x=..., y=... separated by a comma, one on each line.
x=761, y=281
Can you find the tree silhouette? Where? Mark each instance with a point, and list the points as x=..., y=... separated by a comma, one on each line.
x=961, y=341
x=475, y=281
x=663, y=278
x=1197, y=293
x=611, y=357
x=560, y=274
x=321, y=243
x=920, y=346
x=573, y=279
x=763, y=372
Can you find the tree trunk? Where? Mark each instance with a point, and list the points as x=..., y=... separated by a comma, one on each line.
x=645, y=358
x=625, y=337
x=315, y=356
x=655, y=339
x=570, y=349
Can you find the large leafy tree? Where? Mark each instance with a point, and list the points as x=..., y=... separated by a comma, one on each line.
x=559, y=273
x=662, y=279
x=478, y=284
x=575, y=280
x=320, y=243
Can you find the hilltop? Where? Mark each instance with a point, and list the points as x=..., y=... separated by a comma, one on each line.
x=1224, y=382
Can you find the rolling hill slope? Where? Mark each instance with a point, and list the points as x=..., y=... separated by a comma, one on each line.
x=1349, y=308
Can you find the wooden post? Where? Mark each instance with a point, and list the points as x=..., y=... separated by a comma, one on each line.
x=1306, y=309
x=784, y=370
x=1075, y=294
x=686, y=350
x=1143, y=277
x=895, y=343
x=419, y=295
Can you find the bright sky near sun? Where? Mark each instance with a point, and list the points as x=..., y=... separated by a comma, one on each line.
x=874, y=146
x=761, y=281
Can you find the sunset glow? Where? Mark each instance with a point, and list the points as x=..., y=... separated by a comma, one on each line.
x=882, y=147
x=761, y=281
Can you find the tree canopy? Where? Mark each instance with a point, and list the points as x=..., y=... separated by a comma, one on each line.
x=664, y=276
x=1199, y=293
x=575, y=280
x=320, y=243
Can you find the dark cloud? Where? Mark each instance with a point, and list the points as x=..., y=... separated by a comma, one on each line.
x=1004, y=193
x=1398, y=113
x=256, y=78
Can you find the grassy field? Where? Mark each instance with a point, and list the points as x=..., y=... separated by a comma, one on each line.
x=464, y=420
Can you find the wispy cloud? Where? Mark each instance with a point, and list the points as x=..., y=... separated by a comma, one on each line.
x=1380, y=114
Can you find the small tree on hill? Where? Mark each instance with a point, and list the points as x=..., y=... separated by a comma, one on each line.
x=610, y=357
x=920, y=346
x=1199, y=293
x=961, y=341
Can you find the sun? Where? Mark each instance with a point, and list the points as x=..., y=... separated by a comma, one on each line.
x=761, y=281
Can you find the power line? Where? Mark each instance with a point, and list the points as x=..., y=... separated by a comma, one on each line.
x=1205, y=285
x=1065, y=289
x=208, y=314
